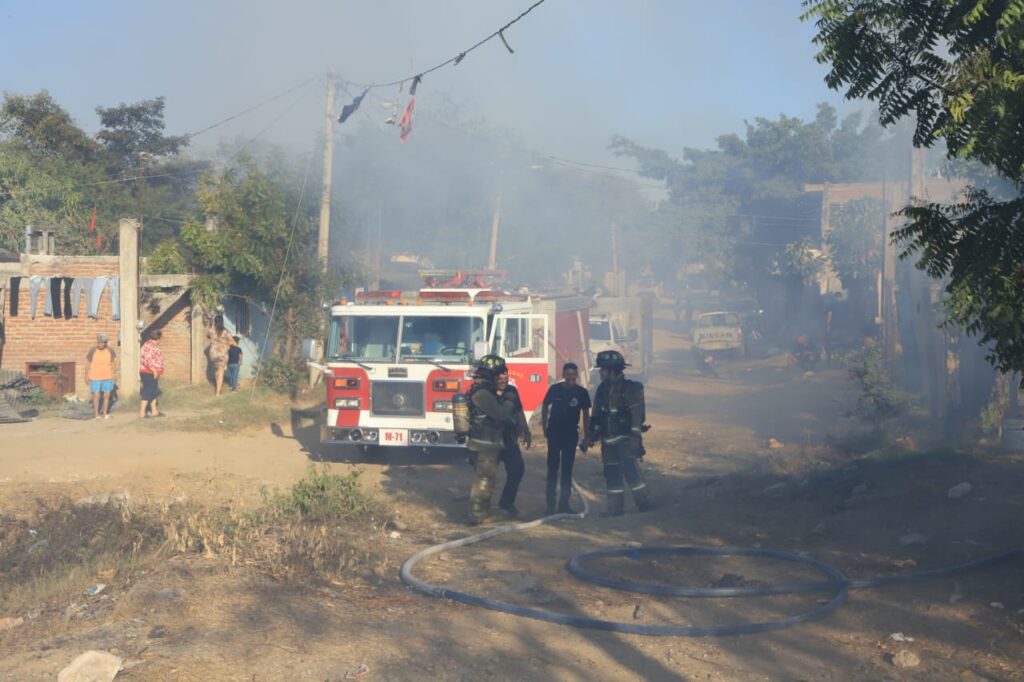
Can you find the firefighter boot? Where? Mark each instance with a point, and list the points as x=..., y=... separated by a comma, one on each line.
x=642, y=499
x=616, y=504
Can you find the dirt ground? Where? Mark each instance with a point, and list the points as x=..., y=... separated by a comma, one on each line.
x=715, y=482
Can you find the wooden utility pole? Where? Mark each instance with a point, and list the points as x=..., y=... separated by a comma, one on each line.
x=128, y=278
x=324, y=236
x=492, y=259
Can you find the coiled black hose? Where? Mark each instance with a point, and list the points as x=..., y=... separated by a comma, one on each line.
x=838, y=584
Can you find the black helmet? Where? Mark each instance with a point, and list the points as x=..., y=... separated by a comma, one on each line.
x=490, y=365
x=611, y=359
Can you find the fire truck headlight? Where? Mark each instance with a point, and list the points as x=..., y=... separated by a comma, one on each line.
x=347, y=403
x=370, y=435
x=442, y=406
x=433, y=437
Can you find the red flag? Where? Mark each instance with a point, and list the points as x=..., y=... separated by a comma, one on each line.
x=92, y=222
x=405, y=123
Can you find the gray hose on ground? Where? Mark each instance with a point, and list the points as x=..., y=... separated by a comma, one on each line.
x=839, y=584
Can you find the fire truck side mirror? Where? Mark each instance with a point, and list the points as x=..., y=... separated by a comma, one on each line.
x=311, y=349
x=479, y=349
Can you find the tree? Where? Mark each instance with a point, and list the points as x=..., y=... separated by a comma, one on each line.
x=41, y=126
x=131, y=131
x=855, y=241
x=956, y=67
x=249, y=239
x=739, y=206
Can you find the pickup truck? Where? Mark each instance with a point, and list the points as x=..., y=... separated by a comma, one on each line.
x=719, y=333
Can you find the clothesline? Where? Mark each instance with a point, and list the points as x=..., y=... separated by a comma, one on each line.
x=63, y=295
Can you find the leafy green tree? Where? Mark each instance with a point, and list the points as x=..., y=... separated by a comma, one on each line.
x=253, y=237
x=855, y=241
x=39, y=125
x=132, y=132
x=955, y=67
x=740, y=205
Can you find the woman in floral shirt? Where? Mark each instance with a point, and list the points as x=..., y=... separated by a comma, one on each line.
x=220, y=342
x=151, y=368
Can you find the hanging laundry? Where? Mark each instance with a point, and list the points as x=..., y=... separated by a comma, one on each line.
x=115, y=297
x=15, y=289
x=349, y=109
x=52, y=297
x=33, y=291
x=68, y=283
x=81, y=286
x=55, y=297
x=406, y=123
x=98, y=285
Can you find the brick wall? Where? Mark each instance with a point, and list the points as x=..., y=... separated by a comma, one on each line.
x=171, y=312
x=63, y=340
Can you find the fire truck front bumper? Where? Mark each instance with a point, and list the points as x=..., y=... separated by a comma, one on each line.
x=372, y=437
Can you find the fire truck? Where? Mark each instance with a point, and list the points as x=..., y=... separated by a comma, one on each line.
x=394, y=359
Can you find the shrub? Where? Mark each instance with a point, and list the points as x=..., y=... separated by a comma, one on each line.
x=879, y=401
x=281, y=376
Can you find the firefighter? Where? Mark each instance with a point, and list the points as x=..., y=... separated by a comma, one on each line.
x=618, y=423
x=491, y=417
x=511, y=455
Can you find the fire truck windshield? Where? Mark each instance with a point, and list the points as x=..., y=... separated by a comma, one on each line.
x=404, y=338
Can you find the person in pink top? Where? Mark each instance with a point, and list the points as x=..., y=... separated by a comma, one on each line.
x=151, y=368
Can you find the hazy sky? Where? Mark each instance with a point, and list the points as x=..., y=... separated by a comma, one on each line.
x=668, y=73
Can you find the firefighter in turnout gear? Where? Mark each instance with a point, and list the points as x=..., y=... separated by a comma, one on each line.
x=618, y=423
x=491, y=417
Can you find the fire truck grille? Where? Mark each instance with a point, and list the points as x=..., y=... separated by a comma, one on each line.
x=397, y=398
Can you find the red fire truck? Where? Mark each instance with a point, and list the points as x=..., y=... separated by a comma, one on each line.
x=394, y=360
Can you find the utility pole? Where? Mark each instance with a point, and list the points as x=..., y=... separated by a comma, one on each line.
x=492, y=260
x=324, y=236
x=128, y=283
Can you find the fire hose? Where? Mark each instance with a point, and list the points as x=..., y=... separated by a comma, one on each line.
x=836, y=584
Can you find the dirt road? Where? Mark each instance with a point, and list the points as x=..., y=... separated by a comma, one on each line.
x=715, y=481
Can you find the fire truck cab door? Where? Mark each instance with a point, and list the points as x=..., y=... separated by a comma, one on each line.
x=522, y=339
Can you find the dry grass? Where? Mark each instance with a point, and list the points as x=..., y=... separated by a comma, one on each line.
x=324, y=526
x=195, y=408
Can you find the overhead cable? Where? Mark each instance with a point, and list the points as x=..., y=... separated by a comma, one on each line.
x=460, y=56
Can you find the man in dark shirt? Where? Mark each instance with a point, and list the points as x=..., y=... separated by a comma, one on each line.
x=563, y=405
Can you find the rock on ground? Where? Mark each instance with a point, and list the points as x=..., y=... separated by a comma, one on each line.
x=92, y=666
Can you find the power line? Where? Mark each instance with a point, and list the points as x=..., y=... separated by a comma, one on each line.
x=252, y=108
x=460, y=56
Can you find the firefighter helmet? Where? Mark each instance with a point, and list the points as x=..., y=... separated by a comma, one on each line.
x=611, y=359
x=491, y=365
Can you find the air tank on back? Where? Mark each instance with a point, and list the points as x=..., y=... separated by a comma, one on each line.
x=460, y=414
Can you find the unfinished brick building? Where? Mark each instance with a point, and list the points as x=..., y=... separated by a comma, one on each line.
x=27, y=339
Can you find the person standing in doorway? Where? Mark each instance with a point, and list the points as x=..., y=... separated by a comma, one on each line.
x=234, y=363
x=220, y=342
x=564, y=403
x=151, y=368
x=100, y=373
